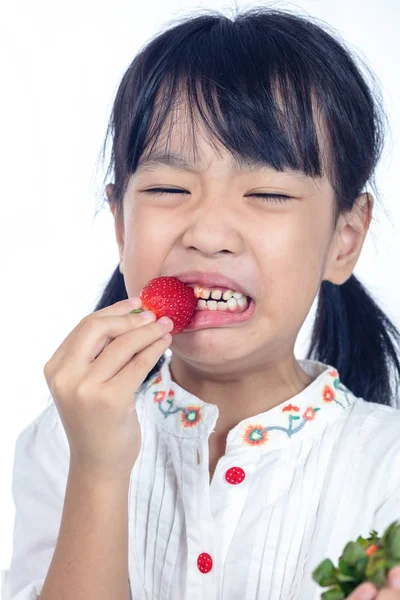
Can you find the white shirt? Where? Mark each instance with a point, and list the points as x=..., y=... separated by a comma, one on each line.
x=296, y=483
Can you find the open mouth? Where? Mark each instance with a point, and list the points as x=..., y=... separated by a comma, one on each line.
x=220, y=299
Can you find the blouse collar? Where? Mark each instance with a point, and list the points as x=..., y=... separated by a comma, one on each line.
x=184, y=415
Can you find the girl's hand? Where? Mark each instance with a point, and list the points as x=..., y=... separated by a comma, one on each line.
x=93, y=377
x=367, y=591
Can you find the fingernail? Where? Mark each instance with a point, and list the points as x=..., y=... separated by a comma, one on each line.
x=165, y=321
x=394, y=578
x=147, y=314
x=366, y=592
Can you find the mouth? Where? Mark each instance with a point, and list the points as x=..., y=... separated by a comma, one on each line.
x=211, y=318
x=220, y=299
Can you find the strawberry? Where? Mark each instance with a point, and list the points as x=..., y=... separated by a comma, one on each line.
x=169, y=297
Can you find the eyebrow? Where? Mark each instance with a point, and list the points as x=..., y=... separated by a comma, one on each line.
x=179, y=163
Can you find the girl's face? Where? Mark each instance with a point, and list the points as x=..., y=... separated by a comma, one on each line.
x=279, y=251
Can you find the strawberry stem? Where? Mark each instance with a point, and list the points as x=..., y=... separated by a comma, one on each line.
x=137, y=310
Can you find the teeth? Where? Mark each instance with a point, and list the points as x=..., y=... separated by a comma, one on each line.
x=206, y=293
x=216, y=294
x=232, y=303
x=242, y=301
x=228, y=294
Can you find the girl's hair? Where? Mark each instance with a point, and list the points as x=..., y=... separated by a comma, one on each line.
x=256, y=82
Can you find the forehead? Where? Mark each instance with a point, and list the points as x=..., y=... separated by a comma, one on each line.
x=185, y=143
x=182, y=161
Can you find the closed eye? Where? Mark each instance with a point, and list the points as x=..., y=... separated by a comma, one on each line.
x=264, y=197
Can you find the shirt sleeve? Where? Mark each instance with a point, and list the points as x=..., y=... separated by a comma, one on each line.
x=39, y=479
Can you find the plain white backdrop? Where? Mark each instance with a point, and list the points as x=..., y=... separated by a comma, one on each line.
x=61, y=64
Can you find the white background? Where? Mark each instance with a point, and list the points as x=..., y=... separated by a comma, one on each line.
x=61, y=64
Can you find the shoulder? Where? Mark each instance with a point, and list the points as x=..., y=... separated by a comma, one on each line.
x=378, y=430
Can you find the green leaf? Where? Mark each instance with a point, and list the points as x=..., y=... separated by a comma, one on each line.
x=344, y=578
x=352, y=553
x=392, y=562
x=393, y=542
x=324, y=574
x=388, y=532
x=379, y=578
x=333, y=594
x=360, y=567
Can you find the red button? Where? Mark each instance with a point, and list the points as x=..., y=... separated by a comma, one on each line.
x=204, y=562
x=235, y=475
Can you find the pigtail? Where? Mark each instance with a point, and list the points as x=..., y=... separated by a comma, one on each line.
x=354, y=335
x=115, y=291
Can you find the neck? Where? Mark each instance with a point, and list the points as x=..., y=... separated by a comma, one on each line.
x=241, y=395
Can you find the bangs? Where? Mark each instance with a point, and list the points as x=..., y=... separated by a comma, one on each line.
x=253, y=99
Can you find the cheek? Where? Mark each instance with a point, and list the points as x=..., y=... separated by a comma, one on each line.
x=146, y=246
x=292, y=257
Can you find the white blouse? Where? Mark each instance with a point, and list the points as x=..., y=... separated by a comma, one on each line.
x=296, y=483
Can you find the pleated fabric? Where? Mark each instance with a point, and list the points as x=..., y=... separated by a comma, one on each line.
x=295, y=484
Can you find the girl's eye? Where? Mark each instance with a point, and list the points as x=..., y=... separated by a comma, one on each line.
x=264, y=197
x=163, y=191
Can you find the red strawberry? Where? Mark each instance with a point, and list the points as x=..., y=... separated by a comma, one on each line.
x=169, y=297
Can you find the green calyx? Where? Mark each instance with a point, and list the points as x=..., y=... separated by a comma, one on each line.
x=366, y=559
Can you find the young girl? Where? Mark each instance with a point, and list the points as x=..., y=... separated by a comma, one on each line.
x=226, y=469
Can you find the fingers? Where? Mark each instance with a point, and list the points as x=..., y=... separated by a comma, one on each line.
x=366, y=591
x=87, y=339
x=125, y=348
x=394, y=579
x=137, y=369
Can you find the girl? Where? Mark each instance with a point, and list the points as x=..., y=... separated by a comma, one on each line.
x=226, y=469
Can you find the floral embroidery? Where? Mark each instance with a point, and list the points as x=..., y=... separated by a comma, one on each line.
x=290, y=420
x=191, y=416
x=310, y=413
x=290, y=407
x=159, y=396
x=328, y=394
x=255, y=435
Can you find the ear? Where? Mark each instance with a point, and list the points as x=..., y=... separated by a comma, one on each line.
x=118, y=224
x=351, y=230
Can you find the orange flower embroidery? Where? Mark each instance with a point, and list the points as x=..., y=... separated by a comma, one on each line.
x=255, y=435
x=291, y=408
x=309, y=414
x=158, y=379
x=159, y=396
x=191, y=416
x=333, y=373
x=328, y=393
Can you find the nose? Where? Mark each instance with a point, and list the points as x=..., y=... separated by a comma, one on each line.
x=212, y=229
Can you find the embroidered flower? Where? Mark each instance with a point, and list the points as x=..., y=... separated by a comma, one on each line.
x=328, y=394
x=309, y=415
x=191, y=416
x=291, y=408
x=158, y=379
x=255, y=435
x=159, y=396
x=333, y=373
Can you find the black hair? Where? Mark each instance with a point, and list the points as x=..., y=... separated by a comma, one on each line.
x=258, y=80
